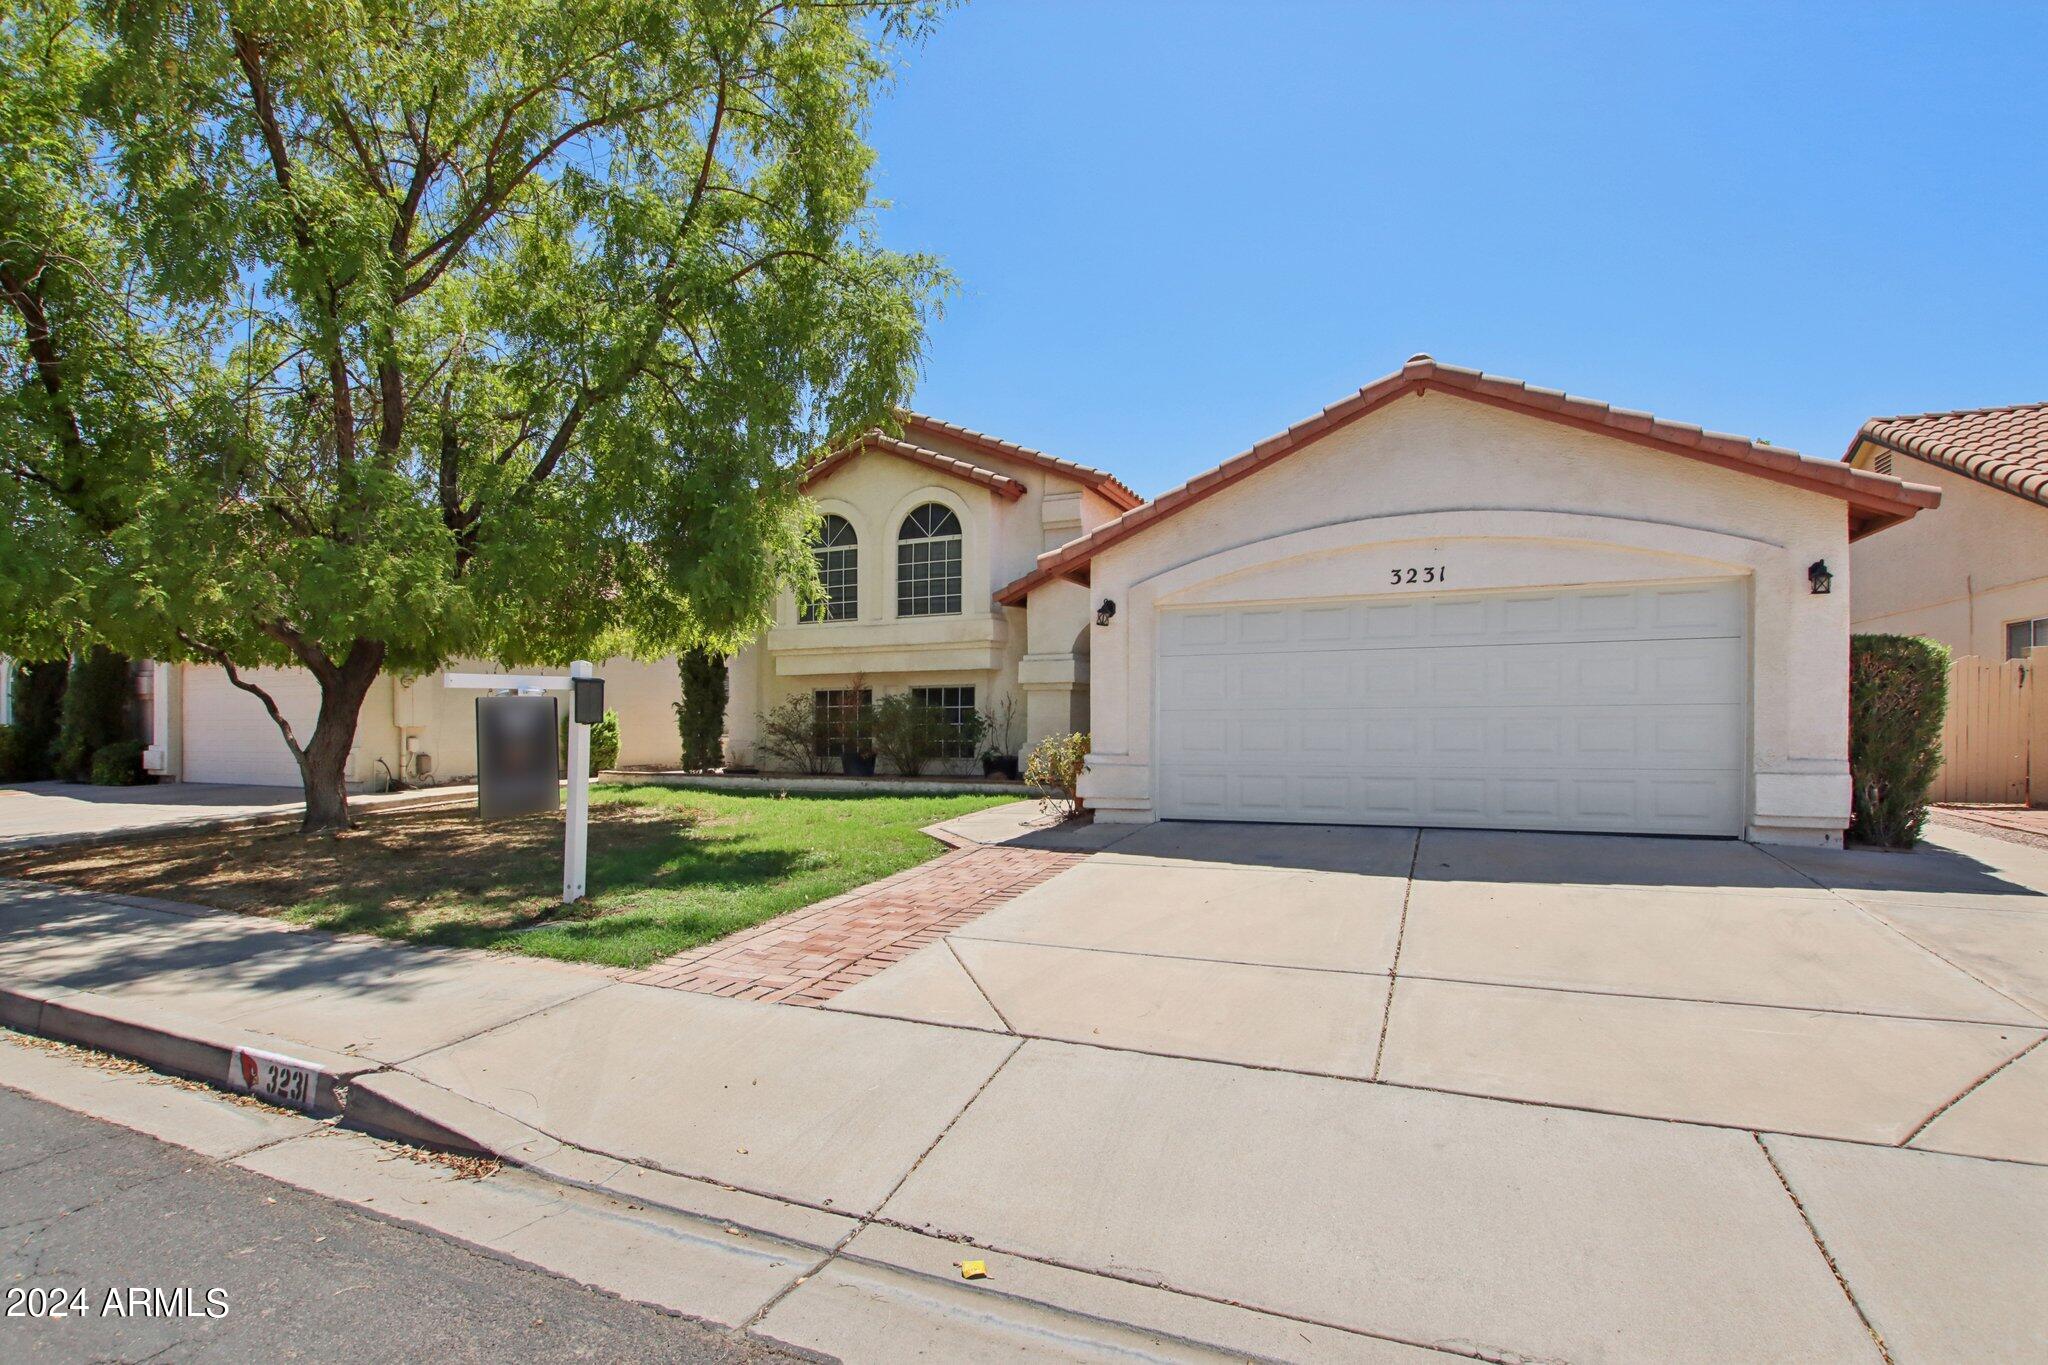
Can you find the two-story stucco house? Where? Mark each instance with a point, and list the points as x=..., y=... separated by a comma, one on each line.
x=918, y=532
x=1973, y=575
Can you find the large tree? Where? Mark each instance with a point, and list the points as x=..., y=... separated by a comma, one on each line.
x=354, y=336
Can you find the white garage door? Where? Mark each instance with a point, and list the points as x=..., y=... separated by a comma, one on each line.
x=229, y=737
x=1620, y=709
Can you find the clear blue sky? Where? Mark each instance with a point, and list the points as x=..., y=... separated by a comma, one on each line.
x=1179, y=227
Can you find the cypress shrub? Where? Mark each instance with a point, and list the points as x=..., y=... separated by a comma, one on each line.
x=28, y=752
x=604, y=743
x=95, y=711
x=1898, y=696
x=700, y=715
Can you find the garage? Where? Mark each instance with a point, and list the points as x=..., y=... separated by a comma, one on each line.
x=229, y=737
x=1610, y=709
x=1457, y=599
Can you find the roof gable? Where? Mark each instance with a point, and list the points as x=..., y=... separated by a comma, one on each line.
x=1874, y=500
x=2006, y=448
x=1001, y=484
x=1111, y=488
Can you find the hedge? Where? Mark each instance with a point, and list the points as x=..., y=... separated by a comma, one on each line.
x=1898, y=697
x=96, y=702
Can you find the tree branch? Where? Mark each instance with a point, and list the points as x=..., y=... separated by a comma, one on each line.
x=220, y=657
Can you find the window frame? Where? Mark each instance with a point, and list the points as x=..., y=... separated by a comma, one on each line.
x=846, y=553
x=2037, y=629
x=948, y=700
x=833, y=718
x=923, y=586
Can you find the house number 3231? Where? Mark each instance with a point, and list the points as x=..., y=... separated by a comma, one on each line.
x=1433, y=573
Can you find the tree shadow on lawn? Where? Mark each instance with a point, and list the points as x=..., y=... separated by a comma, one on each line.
x=661, y=875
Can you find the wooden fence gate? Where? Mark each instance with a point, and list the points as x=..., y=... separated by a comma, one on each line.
x=1994, y=742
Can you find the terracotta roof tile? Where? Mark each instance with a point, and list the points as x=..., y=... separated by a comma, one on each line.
x=945, y=464
x=2004, y=447
x=1108, y=485
x=1875, y=500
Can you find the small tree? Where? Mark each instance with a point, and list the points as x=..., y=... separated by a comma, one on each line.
x=38, y=708
x=700, y=715
x=96, y=701
x=347, y=338
x=1054, y=767
x=1898, y=698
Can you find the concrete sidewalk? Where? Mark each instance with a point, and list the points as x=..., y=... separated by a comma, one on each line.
x=1126, y=1202
x=53, y=814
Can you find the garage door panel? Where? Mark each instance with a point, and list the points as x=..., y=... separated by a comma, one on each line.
x=1599, y=713
x=229, y=737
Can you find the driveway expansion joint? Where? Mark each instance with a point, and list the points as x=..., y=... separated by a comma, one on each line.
x=1820, y=1245
x=1972, y=1088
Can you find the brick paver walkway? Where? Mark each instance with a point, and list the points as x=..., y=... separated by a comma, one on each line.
x=810, y=955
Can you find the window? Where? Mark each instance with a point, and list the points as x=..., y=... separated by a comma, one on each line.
x=838, y=552
x=2022, y=638
x=834, y=712
x=956, y=704
x=928, y=563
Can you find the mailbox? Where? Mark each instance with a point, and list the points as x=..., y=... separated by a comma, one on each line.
x=587, y=706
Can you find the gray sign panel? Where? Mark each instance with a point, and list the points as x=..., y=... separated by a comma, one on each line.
x=516, y=759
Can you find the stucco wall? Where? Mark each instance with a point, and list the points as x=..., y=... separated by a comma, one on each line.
x=983, y=647
x=1957, y=574
x=1502, y=501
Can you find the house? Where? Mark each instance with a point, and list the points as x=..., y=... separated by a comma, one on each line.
x=919, y=530
x=1973, y=575
x=1456, y=599
x=1450, y=599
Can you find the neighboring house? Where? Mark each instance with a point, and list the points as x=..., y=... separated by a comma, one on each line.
x=1973, y=575
x=919, y=530
x=1454, y=599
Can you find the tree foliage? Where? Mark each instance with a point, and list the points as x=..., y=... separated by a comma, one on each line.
x=1898, y=699
x=350, y=334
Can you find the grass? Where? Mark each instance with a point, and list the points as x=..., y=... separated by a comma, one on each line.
x=670, y=868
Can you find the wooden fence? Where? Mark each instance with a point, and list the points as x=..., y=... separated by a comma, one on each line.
x=1995, y=740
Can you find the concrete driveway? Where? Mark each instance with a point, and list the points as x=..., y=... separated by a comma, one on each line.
x=43, y=813
x=1878, y=998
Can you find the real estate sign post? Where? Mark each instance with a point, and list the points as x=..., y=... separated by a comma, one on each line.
x=512, y=761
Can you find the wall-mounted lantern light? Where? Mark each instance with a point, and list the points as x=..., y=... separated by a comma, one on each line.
x=1821, y=580
x=1104, y=612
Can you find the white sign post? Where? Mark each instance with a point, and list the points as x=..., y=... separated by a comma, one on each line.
x=576, y=812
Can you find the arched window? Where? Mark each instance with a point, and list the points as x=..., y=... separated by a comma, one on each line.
x=838, y=552
x=928, y=563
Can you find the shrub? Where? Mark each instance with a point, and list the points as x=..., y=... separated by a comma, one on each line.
x=118, y=764
x=28, y=753
x=604, y=743
x=910, y=733
x=700, y=715
x=1898, y=695
x=95, y=712
x=1054, y=767
x=791, y=732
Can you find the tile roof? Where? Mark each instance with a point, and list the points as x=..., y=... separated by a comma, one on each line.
x=1108, y=485
x=945, y=464
x=2004, y=447
x=1875, y=500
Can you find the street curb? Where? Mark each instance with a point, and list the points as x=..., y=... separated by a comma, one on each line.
x=169, y=1043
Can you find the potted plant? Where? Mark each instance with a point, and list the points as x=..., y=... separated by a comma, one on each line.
x=998, y=727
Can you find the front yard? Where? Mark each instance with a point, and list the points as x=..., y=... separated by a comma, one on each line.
x=669, y=869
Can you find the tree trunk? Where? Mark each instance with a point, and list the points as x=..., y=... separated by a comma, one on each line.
x=323, y=764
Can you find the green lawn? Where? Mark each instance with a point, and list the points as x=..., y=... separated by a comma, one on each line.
x=670, y=868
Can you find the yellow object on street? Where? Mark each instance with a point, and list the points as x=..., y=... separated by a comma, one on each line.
x=973, y=1270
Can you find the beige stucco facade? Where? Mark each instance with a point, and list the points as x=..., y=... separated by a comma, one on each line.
x=413, y=729
x=1037, y=669
x=1502, y=501
x=1957, y=574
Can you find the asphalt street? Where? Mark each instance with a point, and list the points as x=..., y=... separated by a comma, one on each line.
x=90, y=1211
